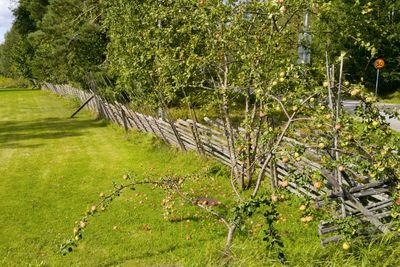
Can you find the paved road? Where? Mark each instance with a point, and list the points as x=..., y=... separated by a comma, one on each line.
x=350, y=105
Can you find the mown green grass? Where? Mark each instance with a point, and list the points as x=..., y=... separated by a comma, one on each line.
x=53, y=168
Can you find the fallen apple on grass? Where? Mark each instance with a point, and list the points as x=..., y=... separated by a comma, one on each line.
x=346, y=246
x=317, y=184
x=284, y=183
x=302, y=208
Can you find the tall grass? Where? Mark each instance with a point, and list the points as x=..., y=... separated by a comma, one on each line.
x=393, y=98
x=6, y=82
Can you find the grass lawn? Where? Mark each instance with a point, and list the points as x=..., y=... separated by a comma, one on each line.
x=52, y=168
x=393, y=98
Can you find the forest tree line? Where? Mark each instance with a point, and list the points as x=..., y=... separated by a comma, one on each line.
x=178, y=46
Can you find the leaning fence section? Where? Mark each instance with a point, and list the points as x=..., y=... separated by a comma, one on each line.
x=185, y=134
x=368, y=201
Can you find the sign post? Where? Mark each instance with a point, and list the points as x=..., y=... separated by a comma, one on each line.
x=378, y=64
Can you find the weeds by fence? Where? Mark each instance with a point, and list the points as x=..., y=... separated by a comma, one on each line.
x=366, y=200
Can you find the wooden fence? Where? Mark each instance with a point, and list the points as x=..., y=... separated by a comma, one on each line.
x=368, y=201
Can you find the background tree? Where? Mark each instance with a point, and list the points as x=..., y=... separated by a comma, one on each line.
x=58, y=41
x=15, y=55
x=69, y=43
x=17, y=52
x=365, y=30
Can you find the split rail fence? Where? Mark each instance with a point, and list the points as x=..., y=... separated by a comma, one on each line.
x=367, y=200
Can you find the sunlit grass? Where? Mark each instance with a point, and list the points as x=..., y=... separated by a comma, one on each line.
x=54, y=167
x=393, y=98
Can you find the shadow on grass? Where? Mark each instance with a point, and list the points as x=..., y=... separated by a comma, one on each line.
x=183, y=219
x=11, y=133
x=154, y=253
x=144, y=255
x=15, y=145
x=6, y=90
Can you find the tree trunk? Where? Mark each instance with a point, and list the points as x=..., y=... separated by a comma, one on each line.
x=229, y=241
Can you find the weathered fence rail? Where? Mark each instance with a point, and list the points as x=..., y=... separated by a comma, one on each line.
x=368, y=201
